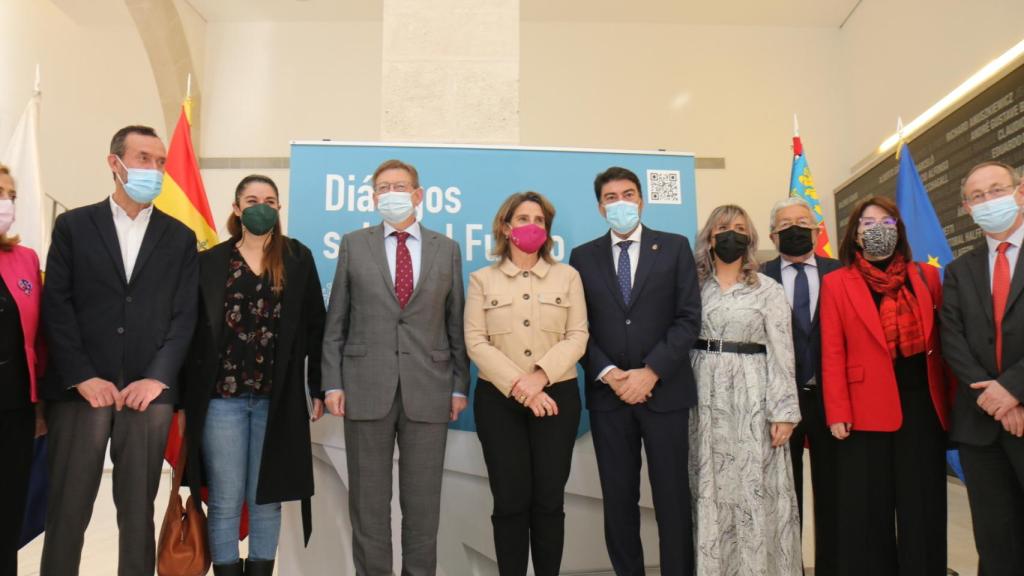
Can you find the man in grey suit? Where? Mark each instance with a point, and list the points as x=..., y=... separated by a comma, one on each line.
x=395, y=367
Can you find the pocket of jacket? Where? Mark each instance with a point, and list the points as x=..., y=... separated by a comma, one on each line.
x=854, y=374
x=440, y=355
x=554, y=311
x=498, y=313
x=354, y=350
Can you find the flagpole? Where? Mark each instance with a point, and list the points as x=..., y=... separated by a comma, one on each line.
x=796, y=126
x=36, y=90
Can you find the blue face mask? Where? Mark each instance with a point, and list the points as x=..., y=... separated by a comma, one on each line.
x=395, y=207
x=996, y=215
x=622, y=216
x=143, y=184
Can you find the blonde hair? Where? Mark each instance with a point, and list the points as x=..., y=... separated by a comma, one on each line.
x=508, y=208
x=706, y=261
x=7, y=243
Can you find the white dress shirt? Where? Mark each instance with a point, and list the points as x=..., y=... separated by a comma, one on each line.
x=634, y=257
x=633, y=251
x=813, y=281
x=414, y=243
x=1011, y=253
x=130, y=233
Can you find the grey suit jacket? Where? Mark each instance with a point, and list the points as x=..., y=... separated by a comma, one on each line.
x=371, y=344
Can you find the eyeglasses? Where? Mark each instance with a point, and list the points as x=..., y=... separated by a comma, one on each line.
x=979, y=196
x=385, y=187
x=872, y=222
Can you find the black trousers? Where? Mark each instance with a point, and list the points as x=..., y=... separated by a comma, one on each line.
x=528, y=461
x=994, y=476
x=815, y=432
x=17, y=428
x=892, y=494
x=664, y=436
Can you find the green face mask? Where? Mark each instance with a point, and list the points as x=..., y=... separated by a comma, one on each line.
x=259, y=219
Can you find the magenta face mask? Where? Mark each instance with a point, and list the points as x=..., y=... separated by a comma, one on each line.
x=529, y=237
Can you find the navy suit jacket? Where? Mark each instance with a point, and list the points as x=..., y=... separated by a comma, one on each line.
x=100, y=323
x=773, y=270
x=659, y=326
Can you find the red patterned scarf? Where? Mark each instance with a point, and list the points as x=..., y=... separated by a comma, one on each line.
x=899, y=312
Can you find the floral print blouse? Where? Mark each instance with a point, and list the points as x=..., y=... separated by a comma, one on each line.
x=251, y=312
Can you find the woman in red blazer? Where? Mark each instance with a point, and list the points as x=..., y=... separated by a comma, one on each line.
x=887, y=398
x=20, y=362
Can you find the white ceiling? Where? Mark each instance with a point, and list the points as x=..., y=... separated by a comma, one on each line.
x=790, y=13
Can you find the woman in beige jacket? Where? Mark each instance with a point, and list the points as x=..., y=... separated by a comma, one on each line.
x=526, y=327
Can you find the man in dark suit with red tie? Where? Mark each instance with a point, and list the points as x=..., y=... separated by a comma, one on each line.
x=983, y=342
x=795, y=234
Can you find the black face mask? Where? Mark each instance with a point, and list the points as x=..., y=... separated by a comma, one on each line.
x=730, y=246
x=795, y=241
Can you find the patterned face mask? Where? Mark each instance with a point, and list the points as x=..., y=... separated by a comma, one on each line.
x=879, y=241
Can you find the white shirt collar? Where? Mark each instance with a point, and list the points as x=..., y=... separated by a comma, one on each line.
x=413, y=230
x=633, y=237
x=809, y=262
x=1015, y=239
x=119, y=213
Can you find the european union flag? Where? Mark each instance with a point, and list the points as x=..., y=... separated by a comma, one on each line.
x=924, y=231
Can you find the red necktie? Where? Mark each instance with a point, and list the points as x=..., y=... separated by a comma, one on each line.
x=403, y=270
x=1000, y=293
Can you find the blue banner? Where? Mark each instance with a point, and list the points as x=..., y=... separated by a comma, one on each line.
x=331, y=194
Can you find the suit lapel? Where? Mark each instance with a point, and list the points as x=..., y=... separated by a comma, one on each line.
x=158, y=223
x=213, y=277
x=103, y=218
x=860, y=296
x=773, y=269
x=375, y=244
x=978, y=266
x=428, y=254
x=649, y=250
x=604, y=259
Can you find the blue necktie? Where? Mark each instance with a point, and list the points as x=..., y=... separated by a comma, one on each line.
x=625, y=271
x=802, y=319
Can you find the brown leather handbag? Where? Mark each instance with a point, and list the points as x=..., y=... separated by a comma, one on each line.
x=183, y=549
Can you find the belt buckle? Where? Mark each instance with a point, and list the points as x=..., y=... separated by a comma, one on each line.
x=709, y=349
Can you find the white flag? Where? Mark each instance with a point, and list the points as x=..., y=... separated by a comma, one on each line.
x=22, y=157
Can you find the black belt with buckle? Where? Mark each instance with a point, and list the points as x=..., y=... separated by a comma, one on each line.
x=720, y=346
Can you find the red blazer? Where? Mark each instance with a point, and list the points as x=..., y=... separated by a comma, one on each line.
x=19, y=269
x=858, y=377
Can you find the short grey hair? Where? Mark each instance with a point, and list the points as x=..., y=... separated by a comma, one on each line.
x=1014, y=174
x=791, y=201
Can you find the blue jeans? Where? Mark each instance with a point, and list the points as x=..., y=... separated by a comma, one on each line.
x=232, y=451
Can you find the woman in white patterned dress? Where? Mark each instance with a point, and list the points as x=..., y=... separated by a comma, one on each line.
x=746, y=520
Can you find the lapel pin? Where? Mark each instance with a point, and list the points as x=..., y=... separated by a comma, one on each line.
x=654, y=247
x=25, y=286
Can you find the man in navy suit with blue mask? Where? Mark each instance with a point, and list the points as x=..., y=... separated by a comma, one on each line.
x=644, y=308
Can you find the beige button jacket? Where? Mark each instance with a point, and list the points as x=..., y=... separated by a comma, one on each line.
x=518, y=320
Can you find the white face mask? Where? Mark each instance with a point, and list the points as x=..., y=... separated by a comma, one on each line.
x=6, y=215
x=395, y=207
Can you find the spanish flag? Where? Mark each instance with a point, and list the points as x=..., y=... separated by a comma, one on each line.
x=183, y=195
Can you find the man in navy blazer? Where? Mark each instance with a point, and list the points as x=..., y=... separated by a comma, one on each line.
x=643, y=303
x=119, y=311
x=795, y=234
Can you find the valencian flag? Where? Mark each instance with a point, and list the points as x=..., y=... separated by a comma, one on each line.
x=801, y=184
x=184, y=197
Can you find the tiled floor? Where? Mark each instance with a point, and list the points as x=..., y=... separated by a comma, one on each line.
x=99, y=558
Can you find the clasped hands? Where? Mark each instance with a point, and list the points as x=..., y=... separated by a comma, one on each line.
x=632, y=386
x=528, y=390
x=1000, y=404
x=138, y=395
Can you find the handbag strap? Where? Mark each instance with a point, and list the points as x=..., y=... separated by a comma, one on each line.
x=179, y=468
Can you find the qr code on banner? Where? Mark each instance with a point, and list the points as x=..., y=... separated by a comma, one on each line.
x=663, y=187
